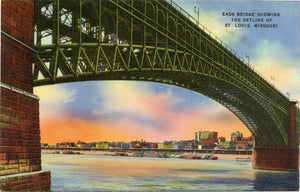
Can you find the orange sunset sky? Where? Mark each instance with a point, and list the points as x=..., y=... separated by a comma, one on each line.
x=126, y=111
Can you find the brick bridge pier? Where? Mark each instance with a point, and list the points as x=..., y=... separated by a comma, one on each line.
x=279, y=158
x=20, y=152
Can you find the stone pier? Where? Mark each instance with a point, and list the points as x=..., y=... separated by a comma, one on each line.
x=20, y=149
x=279, y=158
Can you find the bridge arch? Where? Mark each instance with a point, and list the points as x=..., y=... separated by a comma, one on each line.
x=90, y=8
x=150, y=11
x=213, y=88
x=180, y=32
x=161, y=18
x=215, y=55
x=163, y=45
x=209, y=51
x=196, y=43
x=189, y=38
x=172, y=25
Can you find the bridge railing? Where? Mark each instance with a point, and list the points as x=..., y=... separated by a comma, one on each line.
x=190, y=17
x=215, y=37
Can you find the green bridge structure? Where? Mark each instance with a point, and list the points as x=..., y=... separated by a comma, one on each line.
x=157, y=41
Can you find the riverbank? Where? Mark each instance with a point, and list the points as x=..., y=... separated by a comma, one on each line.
x=229, y=157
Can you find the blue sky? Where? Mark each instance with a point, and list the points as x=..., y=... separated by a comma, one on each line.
x=272, y=51
x=102, y=110
x=287, y=32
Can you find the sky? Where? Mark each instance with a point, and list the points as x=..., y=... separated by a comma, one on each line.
x=134, y=110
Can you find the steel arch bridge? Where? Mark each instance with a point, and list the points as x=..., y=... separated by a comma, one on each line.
x=153, y=40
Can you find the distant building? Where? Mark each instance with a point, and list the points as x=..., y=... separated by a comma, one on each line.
x=165, y=145
x=168, y=146
x=44, y=145
x=150, y=145
x=206, y=135
x=65, y=145
x=222, y=139
x=236, y=136
x=102, y=145
x=197, y=137
x=241, y=145
x=153, y=145
x=178, y=145
x=161, y=146
x=137, y=144
x=207, y=139
x=80, y=143
x=62, y=145
x=247, y=139
x=115, y=145
x=225, y=144
x=125, y=145
x=245, y=143
x=190, y=144
x=85, y=145
x=50, y=146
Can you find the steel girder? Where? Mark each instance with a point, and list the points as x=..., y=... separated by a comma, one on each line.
x=152, y=40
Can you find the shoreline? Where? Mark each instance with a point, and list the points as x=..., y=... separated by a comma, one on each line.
x=228, y=157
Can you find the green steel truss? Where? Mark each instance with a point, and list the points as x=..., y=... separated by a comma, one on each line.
x=152, y=40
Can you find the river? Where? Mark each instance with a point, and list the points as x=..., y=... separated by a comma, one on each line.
x=114, y=173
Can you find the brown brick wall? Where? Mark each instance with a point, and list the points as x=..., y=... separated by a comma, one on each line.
x=17, y=20
x=19, y=114
x=20, y=149
x=275, y=158
x=33, y=182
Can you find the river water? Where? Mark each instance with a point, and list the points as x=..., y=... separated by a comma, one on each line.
x=113, y=173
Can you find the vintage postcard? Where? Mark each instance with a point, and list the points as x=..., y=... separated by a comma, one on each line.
x=150, y=95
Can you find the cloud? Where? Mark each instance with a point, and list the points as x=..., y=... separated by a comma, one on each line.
x=177, y=126
x=279, y=66
x=125, y=111
x=168, y=121
x=216, y=24
x=53, y=98
x=133, y=99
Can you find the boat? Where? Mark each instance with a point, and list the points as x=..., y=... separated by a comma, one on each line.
x=213, y=158
x=70, y=152
x=120, y=154
x=157, y=155
x=248, y=159
x=206, y=156
x=190, y=156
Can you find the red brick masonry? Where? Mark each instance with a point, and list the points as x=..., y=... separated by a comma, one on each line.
x=275, y=158
x=20, y=149
x=26, y=182
x=20, y=152
x=17, y=20
x=279, y=158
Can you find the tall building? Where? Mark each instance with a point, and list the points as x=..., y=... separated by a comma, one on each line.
x=213, y=136
x=236, y=136
x=206, y=135
x=206, y=139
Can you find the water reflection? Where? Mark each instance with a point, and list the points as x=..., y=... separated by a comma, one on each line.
x=276, y=181
x=106, y=173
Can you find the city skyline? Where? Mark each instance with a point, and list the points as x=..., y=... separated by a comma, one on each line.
x=100, y=110
x=143, y=140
